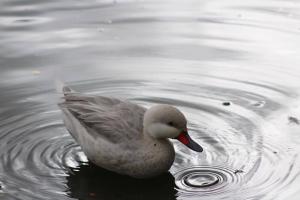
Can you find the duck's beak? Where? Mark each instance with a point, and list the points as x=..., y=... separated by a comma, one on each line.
x=185, y=139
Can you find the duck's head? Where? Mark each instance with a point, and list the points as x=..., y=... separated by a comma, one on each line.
x=165, y=121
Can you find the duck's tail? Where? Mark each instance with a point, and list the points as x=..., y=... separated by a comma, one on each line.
x=62, y=88
x=67, y=90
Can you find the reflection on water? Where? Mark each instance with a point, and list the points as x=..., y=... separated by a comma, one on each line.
x=92, y=182
x=230, y=66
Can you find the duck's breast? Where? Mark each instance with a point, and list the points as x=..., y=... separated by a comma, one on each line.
x=153, y=158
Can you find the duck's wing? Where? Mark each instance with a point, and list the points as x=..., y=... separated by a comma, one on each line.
x=104, y=118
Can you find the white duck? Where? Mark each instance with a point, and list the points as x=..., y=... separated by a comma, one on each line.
x=124, y=137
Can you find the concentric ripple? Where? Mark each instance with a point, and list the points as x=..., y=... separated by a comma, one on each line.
x=232, y=67
x=38, y=152
x=206, y=180
x=201, y=179
x=244, y=152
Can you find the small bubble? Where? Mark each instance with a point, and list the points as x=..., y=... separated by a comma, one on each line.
x=294, y=120
x=226, y=103
x=259, y=104
x=238, y=171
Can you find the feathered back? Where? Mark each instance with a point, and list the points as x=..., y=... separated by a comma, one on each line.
x=103, y=117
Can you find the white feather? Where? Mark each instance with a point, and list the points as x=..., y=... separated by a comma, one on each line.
x=159, y=131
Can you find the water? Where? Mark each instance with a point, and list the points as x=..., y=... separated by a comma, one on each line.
x=231, y=66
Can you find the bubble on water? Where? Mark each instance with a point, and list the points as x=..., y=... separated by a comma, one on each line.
x=259, y=104
x=226, y=103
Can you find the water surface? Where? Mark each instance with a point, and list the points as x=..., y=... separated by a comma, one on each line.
x=231, y=66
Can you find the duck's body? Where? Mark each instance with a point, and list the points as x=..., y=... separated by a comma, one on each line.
x=112, y=135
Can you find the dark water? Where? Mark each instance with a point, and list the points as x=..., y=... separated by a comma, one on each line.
x=231, y=66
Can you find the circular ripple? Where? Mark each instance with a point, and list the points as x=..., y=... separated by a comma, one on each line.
x=199, y=180
x=206, y=180
x=37, y=148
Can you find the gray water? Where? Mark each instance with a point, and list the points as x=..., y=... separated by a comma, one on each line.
x=231, y=66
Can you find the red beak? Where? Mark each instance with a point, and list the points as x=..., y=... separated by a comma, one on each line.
x=185, y=139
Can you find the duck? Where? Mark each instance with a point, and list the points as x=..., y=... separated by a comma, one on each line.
x=124, y=137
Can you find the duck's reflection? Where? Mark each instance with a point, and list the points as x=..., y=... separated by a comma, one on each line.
x=91, y=182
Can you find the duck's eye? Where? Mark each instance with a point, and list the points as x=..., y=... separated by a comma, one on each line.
x=171, y=124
